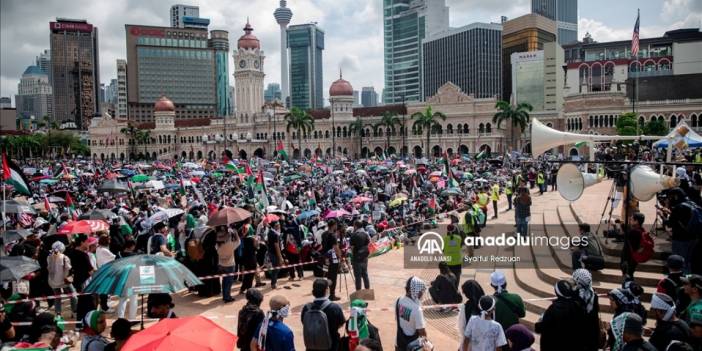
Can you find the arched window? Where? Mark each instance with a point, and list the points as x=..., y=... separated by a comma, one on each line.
x=459, y=129
x=488, y=128
x=641, y=121
x=345, y=132
x=481, y=128
x=673, y=121
x=466, y=130
x=596, y=77
x=590, y=124
x=693, y=120
x=449, y=129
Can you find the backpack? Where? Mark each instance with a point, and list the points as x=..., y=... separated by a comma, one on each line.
x=645, y=251
x=315, y=327
x=194, y=250
x=695, y=220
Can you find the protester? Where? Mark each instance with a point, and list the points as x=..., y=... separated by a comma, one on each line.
x=103, y=255
x=622, y=300
x=272, y=333
x=7, y=330
x=160, y=306
x=359, y=259
x=443, y=289
x=509, y=307
x=692, y=286
x=671, y=284
x=94, y=324
x=317, y=335
x=668, y=326
x=249, y=318
x=588, y=253
x=332, y=255
x=409, y=315
x=120, y=331
x=473, y=292
x=633, y=335
x=519, y=337
x=60, y=279
x=359, y=328
x=482, y=332
x=632, y=243
x=522, y=211
x=227, y=242
x=562, y=322
x=676, y=217
x=589, y=302
x=274, y=252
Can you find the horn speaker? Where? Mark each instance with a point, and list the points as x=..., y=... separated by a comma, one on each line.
x=645, y=182
x=571, y=182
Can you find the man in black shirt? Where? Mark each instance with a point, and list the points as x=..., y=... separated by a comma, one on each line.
x=334, y=313
x=668, y=326
x=274, y=252
x=332, y=253
x=250, y=316
x=359, y=260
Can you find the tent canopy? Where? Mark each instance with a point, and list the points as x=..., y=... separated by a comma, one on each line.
x=692, y=139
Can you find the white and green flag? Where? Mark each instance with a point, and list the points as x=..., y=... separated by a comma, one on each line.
x=13, y=176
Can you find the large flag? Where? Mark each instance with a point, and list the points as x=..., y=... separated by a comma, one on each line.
x=12, y=175
x=281, y=150
x=71, y=207
x=452, y=182
x=635, y=37
x=229, y=164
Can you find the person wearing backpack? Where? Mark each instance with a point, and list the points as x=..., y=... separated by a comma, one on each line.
x=411, y=325
x=321, y=319
x=684, y=218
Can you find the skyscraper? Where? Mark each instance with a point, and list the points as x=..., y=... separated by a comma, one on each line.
x=179, y=12
x=75, y=71
x=219, y=41
x=272, y=92
x=121, y=104
x=44, y=63
x=469, y=57
x=283, y=15
x=306, y=43
x=175, y=62
x=369, y=97
x=405, y=24
x=564, y=12
x=33, y=94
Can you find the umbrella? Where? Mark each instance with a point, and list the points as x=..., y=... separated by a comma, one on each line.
x=104, y=215
x=127, y=172
x=141, y=274
x=162, y=215
x=397, y=202
x=16, y=234
x=338, y=171
x=435, y=174
x=410, y=171
x=361, y=199
x=84, y=226
x=291, y=178
x=348, y=193
x=155, y=184
x=452, y=191
x=195, y=333
x=361, y=172
x=56, y=199
x=228, y=215
x=336, y=214
x=217, y=175
x=191, y=165
x=48, y=181
x=141, y=178
x=307, y=214
x=41, y=206
x=113, y=186
x=14, y=206
x=13, y=268
x=197, y=173
x=270, y=218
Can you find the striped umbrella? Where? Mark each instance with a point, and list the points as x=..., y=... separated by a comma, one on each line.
x=85, y=226
x=141, y=274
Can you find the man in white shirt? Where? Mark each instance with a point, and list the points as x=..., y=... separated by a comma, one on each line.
x=409, y=314
x=482, y=332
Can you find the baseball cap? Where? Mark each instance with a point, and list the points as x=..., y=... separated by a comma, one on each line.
x=695, y=280
x=675, y=262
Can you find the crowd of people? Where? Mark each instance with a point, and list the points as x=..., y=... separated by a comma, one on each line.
x=327, y=216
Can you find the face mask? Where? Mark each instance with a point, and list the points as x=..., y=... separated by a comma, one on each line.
x=284, y=312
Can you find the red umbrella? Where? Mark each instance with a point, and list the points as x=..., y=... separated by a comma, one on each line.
x=270, y=218
x=361, y=199
x=86, y=226
x=188, y=333
x=195, y=180
x=336, y=214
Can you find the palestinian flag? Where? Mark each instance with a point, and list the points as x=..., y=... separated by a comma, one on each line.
x=12, y=175
x=71, y=207
x=247, y=169
x=481, y=155
x=451, y=182
x=432, y=203
x=182, y=187
x=579, y=144
x=281, y=150
x=229, y=164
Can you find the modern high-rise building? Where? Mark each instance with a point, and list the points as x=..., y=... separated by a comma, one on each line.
x=232, y=100
x=111, y=92
x=272, y=93
x=369, y=97
x=537, y=78
x=283, y=15
x=469, y=57
x=75, y=72
x=523, y=34
x=405, y=24
x=44, y=63
x=306, y=44
x=33, y=97
x=176, y=62
x=564, y=12
x=179, y=12
x=356, y=98
x=219, y=41
x=5, y=102
x=121, y=98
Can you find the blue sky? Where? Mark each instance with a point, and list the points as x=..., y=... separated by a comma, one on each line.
x=354, y=38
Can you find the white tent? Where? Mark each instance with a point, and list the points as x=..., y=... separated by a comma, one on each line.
x=692, y=139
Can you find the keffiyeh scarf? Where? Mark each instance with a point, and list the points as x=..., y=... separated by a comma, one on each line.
x=417, y=288
x=583, y=280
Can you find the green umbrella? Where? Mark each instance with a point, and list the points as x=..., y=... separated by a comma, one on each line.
x=292, y=178
x=141, y=178
x=217, y=175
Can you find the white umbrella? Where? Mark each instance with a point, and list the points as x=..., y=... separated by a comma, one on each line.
x=155, y=184
x=197, y=173
x=191, y=165
x=361, y=172
x=162, y=215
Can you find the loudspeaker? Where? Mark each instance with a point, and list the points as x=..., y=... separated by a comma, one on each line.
x=645, y=182
x=544, y=138
x=571, y=182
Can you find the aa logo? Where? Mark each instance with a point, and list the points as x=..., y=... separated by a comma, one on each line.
x=430, y=243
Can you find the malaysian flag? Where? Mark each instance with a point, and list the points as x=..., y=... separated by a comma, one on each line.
x=635, y=37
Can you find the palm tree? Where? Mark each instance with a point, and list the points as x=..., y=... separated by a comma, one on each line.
x=143, y=136
x=387, y=122
x=131, y=133
x=301, y=121
x=427, y=120
x=357, y=127
x=518, y=116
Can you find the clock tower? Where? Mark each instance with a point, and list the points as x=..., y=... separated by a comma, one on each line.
x=248, y=77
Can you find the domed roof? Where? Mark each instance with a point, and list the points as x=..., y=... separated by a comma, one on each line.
x=164, y=104
x=248, y=40
x=341, y=87
x=33, y=70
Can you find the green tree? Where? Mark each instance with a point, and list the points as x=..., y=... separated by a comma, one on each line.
x=357, y=127
x=627, y=124
x=428, y=119
x=655, y=127
x=517, y=116
x=143, y=136
x=301, y=121
x=387, y=122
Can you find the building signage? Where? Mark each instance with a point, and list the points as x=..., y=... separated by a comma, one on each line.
x=147, y=32
x=71, y=26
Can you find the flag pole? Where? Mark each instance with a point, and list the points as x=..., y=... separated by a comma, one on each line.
x=4, y=214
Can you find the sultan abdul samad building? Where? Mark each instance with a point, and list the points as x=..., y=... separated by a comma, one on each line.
x=256, y=129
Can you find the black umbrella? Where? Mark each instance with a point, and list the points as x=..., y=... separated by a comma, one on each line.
x=13, y=268
x=113, y=186
x=14, y=206
x=16, y=234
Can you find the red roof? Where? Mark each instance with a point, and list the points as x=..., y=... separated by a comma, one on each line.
x=341, y=87
x=320, y=113
x=164, y=104
x=179, y=123
x=374, y=111
x=248, y=40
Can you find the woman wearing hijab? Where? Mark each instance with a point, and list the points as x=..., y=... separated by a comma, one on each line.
x=473, y=292
x=589, y=302
x=561, y=324
x=59, y=278
x=519, y=338
x=443, y=289
x=94, y=324
x=482, y=332
x=358, y=327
